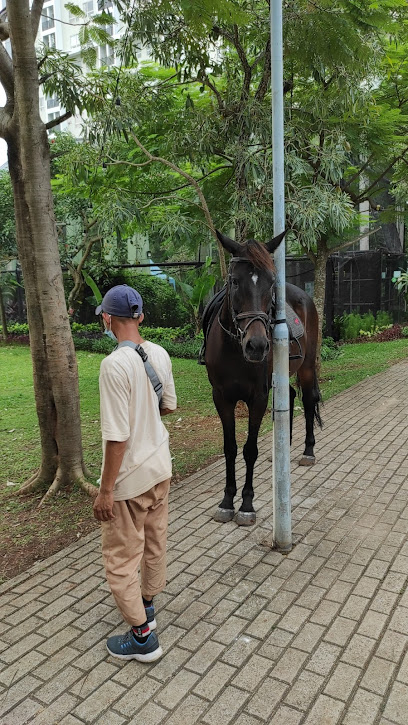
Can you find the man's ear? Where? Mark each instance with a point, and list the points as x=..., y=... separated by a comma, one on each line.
x=140, y=318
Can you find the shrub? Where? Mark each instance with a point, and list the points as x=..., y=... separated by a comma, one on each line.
x=404, y=332
x=330, y=350
x=391, y=333
x=354, y=326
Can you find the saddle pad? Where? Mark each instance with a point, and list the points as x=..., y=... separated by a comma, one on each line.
x=295, y=325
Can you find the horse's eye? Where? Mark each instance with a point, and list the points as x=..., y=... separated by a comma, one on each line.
x=234, y=282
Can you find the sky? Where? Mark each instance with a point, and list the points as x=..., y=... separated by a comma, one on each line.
x=3, y=145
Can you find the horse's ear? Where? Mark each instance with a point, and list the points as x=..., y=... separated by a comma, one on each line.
x=274, y=243
x=229, y=244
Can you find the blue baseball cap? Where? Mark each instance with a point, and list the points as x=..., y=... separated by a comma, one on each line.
x=121, y=301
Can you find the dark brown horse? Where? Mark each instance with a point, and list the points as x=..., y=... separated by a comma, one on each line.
x=237, y=326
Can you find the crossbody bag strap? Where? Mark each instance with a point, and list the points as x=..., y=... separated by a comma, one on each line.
x=150, y=371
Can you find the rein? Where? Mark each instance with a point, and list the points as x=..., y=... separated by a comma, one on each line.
x=252, y=315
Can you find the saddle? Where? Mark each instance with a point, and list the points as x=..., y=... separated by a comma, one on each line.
x=295, y=325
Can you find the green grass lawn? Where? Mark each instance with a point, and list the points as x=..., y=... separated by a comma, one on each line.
x=20, y=451
x=26, y=533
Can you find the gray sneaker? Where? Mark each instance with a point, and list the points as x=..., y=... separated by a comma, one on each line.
x=126, y=647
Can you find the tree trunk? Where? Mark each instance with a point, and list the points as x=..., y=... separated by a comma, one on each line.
x=319, y=295
x=54, y=363
x=3, y=317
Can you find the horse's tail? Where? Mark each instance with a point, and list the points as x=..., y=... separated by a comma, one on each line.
x=317, y=397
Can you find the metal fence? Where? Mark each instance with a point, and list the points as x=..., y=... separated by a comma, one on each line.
x=355, y=282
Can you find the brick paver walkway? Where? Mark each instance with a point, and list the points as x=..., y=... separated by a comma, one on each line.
x=250, y=636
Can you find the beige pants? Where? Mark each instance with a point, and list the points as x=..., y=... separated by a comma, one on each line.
x=137, y=537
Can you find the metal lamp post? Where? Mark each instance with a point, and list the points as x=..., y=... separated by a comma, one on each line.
x=282, y=525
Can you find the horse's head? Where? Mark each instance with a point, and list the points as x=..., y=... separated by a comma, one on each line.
x=251, y=279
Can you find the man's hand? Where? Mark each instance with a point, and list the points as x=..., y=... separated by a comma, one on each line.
x=103, y=507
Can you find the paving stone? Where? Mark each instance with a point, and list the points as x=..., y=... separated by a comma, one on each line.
x=326, y=710
x=308, y=637
x=304, y=691
x=294, y=618
x=112, y=718
x=267, y=697
x=205, y=656
x=178, y=688
x=197, y=635
x=364, y=708
x=215, y=680
x=18, y=692
x=286, y=716
x=20, y=648
x=325, y=612
x=342, y=681
x=354, y=607
x=23, y=713
x=396, y=707
x=93, y=679
x=100, y=700
x=239, y=652
x=151, y=714
x=372, y=624
x=340, y=631
x=378, y=675
x=358, y=650
x=57, y=710
x=225, y=708
x=262, y=624
x=21, y=667
x=391, y=646
x=59, y=640
x=168, y=665
x=188, y=712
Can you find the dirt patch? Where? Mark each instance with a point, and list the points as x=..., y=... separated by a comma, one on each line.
x=32, y=534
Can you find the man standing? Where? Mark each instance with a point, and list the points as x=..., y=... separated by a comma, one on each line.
x=132, y=504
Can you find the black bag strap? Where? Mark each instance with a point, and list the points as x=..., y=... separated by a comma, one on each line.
x=150, y=371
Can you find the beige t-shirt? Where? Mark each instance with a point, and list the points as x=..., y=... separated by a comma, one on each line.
x=130, y=412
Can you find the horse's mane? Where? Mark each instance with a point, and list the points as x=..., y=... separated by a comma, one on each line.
x=257, y=254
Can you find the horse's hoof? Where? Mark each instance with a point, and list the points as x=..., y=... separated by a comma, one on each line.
x=245, y=518
x=307, y=461
x=223, y=515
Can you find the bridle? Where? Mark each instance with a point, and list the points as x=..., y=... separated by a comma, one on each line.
x=251, y=316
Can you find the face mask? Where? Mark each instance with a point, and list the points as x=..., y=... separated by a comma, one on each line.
x=110, y=334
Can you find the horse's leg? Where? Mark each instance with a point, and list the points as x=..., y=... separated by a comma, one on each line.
x=226, y=410
x=292, y=395
x=246, y=515
x=311, y=398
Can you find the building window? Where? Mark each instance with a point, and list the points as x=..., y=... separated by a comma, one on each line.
x=51, y=117
x=106, y=55
x=52, y=103
x=48, y=22
x=74, y=41
x=88, y=7
x=49, y=40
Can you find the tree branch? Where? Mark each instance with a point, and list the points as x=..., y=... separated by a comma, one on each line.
x=5, y=119
x=364, y=195
x=200, y=195
x=244, y=62
x=357, y=174
x=6, y=72
x=4, y=31
x=36, y=10
x=266, y=75
x=354, y=241
x=56, y=121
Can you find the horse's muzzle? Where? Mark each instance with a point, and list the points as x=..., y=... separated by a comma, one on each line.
x=256, y=348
